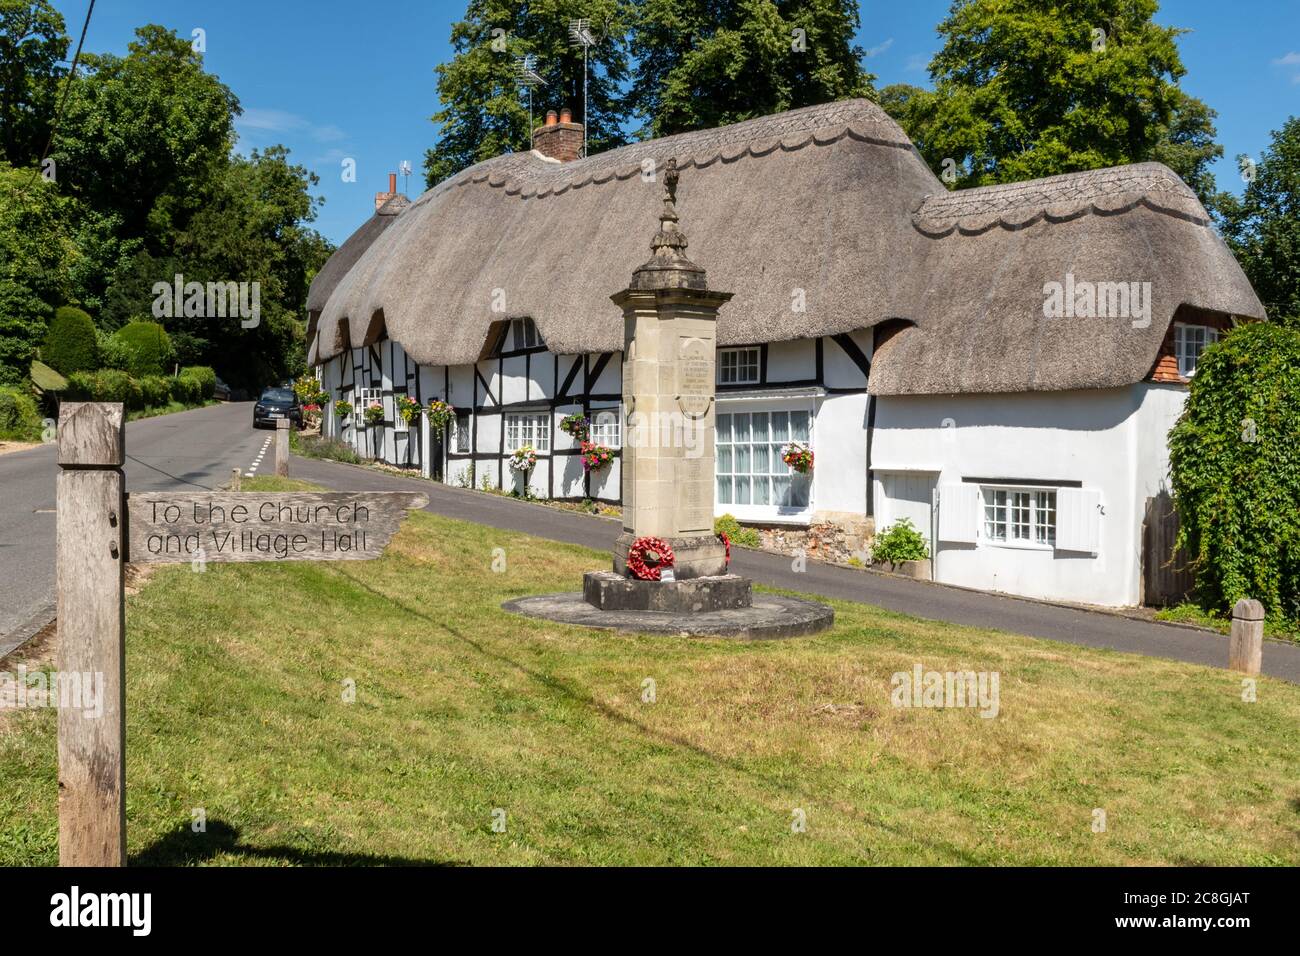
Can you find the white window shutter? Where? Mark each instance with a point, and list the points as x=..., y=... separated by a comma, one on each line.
x=1078, y=520
x=958, y=512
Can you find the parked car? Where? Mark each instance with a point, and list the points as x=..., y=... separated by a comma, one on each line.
x=274, y=404
x=222, y=391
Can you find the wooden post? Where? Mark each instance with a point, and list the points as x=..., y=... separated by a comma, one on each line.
x=282, y=447
x=1246, y=643
x=91, y=630
x=234, y=479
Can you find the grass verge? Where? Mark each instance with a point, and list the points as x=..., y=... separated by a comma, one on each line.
x=237, y=681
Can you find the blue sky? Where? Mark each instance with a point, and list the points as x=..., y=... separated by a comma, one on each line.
x=335, y=79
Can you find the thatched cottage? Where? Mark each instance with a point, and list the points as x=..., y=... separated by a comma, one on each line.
x=999, y=365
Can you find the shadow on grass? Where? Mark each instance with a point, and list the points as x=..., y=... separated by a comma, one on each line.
x=184, y=847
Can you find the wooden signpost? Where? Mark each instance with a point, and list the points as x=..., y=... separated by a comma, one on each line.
x=100, y=529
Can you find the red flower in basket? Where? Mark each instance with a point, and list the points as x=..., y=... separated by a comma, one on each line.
x=798, y=457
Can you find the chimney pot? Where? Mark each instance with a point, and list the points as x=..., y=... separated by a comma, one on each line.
x=550, y=117
x=566, y=115
x=559, y=140
x=392, y=183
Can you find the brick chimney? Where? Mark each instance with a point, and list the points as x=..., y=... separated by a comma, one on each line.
x=560, y=138
x=381, y=198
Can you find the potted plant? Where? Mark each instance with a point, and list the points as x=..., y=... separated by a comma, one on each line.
x=523, y=460
x=799, y=457
x=342, y=408
x=595, y=457
x=374, y=413
x=577, y=426
x=903, y=549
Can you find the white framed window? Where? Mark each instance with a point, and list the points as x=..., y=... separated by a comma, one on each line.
x=1020, y=516
x=532, y=428
x=738, y=366
x=605, y=428
x=461, y=441
x=751, y=477
x=1189, y=342
x=525, y=334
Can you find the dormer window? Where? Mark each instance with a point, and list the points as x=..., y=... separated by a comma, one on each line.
x=524, y=334
x=1189, y=342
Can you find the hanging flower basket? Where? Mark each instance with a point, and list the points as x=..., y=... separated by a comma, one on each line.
x=374, y=414
x=408, y=408
x=523, y=460
x=798, y=457
x=648, y=557
x=440, y=415
x=576, y=426
x=595, y=457
x=342, y=408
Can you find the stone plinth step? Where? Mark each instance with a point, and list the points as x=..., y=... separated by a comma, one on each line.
x=769, y=617
x=607, y=591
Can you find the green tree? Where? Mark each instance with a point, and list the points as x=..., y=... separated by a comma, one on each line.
x=1235, y=466
x=142, y=135
x=1263, y=225
x=485, y=111
x=35, y=253
x=1025, y=89
x=707, y=63
x=32, y=45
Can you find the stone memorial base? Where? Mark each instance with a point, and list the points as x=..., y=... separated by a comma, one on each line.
x=768, y=617
x=695, y=556
x=607, y=591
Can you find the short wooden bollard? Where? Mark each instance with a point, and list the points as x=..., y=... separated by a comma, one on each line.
x=1246, y=643
x=234, y=479
x=282, y=447
x=89, y=545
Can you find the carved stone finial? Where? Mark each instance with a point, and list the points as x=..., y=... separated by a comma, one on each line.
x=668, y=267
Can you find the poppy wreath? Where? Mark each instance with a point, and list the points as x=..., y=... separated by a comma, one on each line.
x=726, y=543
x=647, y=558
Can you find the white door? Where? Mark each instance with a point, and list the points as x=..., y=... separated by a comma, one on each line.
x=907, y=494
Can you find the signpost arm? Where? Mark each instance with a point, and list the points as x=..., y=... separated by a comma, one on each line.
x=91, y=632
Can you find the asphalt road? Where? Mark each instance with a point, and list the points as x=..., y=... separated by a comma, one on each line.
x=199, y=448
x=189, y=449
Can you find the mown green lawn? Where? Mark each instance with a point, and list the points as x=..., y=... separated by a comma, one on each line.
x=236, y=705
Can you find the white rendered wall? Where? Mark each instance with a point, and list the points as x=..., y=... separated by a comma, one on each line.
x=1111, y=440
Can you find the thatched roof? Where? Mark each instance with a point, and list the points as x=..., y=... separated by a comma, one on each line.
x=820, y=220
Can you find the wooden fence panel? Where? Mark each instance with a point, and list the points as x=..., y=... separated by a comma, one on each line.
x=1166, y=577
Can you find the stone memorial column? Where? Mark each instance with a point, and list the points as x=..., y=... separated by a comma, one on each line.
x=669, y=344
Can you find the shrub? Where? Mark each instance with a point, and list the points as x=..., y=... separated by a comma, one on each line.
x=106, y=385
x=312, y=446
x=112, y=351
x=900, y=542
x=1235, y=470
x=70, y=343
x=207, y=378
x=19, y=418
x=745, y=537
x=156, y=390
x=151, y=348
x=185, y=389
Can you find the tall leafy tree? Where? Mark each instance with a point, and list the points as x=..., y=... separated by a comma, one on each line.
x=706, y=63
x=1263, y=225
x=32, y=45
x=35, y=252
x=485, y=111
x=1024, y=89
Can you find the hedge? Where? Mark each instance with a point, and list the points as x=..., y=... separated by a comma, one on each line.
x=186, y=389
x=19, y=418
x=151, y=347
x=156, y=389
x=70, y=344
x=207, y=378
